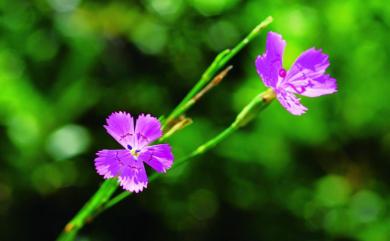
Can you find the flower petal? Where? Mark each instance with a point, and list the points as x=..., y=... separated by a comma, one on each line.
x=131, y=172
x=291, y=103
x=269, y=64
x=120, y=125
x=147, y=130
x=133, y=177
x=323, y=85
x=307, y=75
x=159, y=157
x=109, y=163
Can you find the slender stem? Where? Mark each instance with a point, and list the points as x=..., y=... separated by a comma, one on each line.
x=216, y=81
x=181, y=123
x=218, y=63
x=258, y=103
x=98, y=202
x=101, y=196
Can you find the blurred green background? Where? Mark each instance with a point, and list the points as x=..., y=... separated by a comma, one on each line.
x=66, y=64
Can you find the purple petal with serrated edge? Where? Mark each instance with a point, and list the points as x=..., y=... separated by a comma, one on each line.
x=133, y=177
x=269, y=64
x=159, y=157
x=147, y=130
x=323, y=85
x=120, y=125
x=290, y=102
x=307, y=75
x=109, y=163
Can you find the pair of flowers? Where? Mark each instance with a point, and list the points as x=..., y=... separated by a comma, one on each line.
x=306, y=77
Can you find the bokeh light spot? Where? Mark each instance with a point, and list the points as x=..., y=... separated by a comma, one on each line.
x=68, y=141
x=366, y=206
x=23, y=129
x=41, y=46
x=332, y=191
x=214, y=7
x=64, y=5
x=52, y=176
x=150, y=37
x=221, y=35
x=167, y=8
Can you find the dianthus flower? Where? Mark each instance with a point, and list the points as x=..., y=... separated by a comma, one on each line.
x=306, y=76
x=128, y=164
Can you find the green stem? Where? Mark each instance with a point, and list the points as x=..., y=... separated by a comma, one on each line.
x=218, y=63
x=101, y=196
x=98, y=202
x=258, y=103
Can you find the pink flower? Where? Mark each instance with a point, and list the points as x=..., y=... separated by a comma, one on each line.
x=306, y=77
x=128, y=164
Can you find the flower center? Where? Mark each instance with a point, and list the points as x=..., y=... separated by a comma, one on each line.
x=282, y=73
x=133, y=152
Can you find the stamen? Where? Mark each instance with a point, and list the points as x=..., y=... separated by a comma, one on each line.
x=129, y=147
x=135, y=152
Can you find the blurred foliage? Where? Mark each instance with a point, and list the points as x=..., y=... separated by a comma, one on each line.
x=66, y=64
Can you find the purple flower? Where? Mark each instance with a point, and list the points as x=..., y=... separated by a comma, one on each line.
x=128, y=164
x=306, y=76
